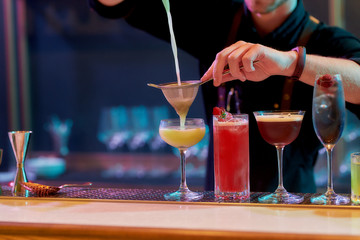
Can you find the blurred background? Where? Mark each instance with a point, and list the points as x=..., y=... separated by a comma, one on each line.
x=78, y=81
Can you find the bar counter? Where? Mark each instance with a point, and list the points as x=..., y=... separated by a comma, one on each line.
x=112, y=213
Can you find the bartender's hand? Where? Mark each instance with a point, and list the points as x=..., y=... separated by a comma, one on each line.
x=259, y=62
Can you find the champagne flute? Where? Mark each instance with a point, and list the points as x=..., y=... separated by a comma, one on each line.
x=182, y=137
x=280, y=128
x=328, y=120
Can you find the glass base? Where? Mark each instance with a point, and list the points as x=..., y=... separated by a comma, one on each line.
x=286, y=198
x=333, y=199
x=183, y=195
x=355, y=199
x=233, y=196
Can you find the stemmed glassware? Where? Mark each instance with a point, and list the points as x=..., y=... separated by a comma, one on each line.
x=280, y=128
x=182, y=137
x=114, y=127
x=60, y=132
x=328, y=119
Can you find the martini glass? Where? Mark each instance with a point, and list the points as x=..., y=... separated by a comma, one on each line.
x=280, y=128
x=328, y=120
x=182, y=137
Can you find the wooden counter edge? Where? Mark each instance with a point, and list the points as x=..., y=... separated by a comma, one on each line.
x=34, y=231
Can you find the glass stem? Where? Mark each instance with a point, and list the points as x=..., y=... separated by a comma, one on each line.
x=280, y=188
x=330, y=190
x=183, y=186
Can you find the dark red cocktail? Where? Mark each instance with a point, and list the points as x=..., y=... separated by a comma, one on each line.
x=280, y=128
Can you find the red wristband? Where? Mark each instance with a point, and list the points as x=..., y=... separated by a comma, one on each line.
x=300, y=62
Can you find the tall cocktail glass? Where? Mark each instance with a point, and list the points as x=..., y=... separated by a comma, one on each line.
x=280, y=128
x=328, y=119
x=182, y=137
x=231, y=157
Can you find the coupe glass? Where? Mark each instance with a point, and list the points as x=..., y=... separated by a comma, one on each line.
x=182, y=137
x=280, y=128
x=328, y=119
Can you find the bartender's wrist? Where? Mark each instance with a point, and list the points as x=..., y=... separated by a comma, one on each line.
x=300, y=62
x=292, y=58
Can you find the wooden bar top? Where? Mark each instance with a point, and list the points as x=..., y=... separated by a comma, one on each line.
x=69, y=218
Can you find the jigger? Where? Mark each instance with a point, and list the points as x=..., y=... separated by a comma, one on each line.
x=19, y=141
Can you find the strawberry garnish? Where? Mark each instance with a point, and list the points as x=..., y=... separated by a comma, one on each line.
x=222, y=114
x=325, y=81
x=218, y=111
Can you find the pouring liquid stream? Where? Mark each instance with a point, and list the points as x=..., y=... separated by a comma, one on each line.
x=181, y=104
x=174, y=47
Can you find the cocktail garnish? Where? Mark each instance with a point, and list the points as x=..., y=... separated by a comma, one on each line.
x=222, y=114
x=325, y=81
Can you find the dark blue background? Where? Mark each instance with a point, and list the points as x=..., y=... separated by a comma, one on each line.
x=80, y=63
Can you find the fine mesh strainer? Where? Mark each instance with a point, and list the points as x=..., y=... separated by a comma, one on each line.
x=181, y=96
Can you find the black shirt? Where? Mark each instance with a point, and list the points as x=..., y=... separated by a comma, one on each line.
x=202, y=28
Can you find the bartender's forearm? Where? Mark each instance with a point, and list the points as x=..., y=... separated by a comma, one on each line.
x=349, y=71
x=110, y=3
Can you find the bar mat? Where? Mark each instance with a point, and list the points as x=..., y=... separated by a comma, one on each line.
x=95, y=193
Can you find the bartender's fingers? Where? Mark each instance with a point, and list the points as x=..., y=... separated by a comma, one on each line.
x=221, y=61
x=208, y=74
x=255, y=53
x=219, y=64
x=216, y=71
x=226, y=76
x=235, y=61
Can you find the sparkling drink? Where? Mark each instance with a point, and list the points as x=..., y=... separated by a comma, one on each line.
x=329, y=118
x=355, y=178
x=328, y=113
x=231, y=157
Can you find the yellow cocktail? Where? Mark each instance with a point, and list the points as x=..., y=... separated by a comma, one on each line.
x=179, y=137
x=182, y=137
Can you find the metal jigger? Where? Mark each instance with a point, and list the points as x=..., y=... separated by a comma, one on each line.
x=19, y=141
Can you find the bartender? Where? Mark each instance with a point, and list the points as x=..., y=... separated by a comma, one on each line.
x=291, y=47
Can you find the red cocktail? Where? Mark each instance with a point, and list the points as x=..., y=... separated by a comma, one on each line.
x=280, y=128
x=231, y=157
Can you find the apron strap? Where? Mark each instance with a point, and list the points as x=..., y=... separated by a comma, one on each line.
x=309, y=28
x=222, y=99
